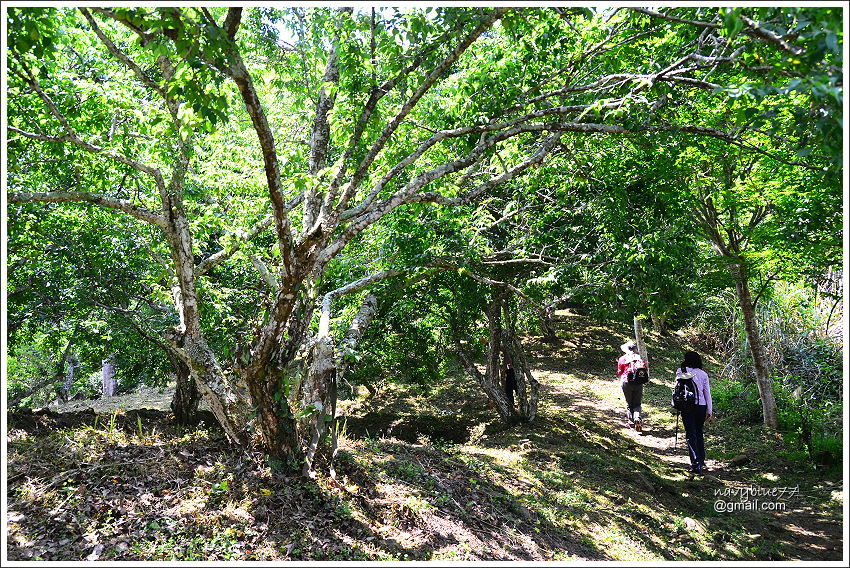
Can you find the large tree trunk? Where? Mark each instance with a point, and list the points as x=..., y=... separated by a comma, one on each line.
x=763, y=379
x=186, y=398
x=318, y=392
x=215, y=388
x=276, y=372
x=327, y=366
x=275, y=419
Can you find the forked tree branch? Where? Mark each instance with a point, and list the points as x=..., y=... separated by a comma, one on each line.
x=121, y=56
x=70, y=134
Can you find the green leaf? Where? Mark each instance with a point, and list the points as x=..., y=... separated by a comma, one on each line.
x=732, y=22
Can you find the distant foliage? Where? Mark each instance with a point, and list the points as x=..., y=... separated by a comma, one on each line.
x=27, y=365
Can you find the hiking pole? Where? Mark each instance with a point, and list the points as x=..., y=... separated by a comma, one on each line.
x=676, y=439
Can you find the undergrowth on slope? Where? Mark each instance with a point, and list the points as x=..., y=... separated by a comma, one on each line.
x=424, y=478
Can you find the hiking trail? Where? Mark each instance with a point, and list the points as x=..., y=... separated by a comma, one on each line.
x=777, y=505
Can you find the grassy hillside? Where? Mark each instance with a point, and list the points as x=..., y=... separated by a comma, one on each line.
x=428, y=475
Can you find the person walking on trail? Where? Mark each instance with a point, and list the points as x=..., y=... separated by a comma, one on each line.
x=510, y=380
x=695, y=416
x=627, y=365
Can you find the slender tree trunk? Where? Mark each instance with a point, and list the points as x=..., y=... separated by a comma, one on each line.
x=69, y=380
x=489, y=383
x=489, y=380
x=763, y=379
x=659, y=323
x=188, y=337
x=528, y=387
x=547, y=325
x=108, y=369
x=502, y=339
x=639, y=338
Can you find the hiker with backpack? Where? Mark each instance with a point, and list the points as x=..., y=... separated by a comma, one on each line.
x=633, y=375
x=692, y=397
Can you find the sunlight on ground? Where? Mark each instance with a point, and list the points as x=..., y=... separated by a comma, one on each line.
x=619, y=545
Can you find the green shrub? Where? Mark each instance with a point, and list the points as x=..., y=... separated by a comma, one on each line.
x=809, y=392
x=736, y=400
x=812, y=423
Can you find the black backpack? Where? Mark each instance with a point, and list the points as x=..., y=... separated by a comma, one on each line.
x=685, y=393
x=639, y=376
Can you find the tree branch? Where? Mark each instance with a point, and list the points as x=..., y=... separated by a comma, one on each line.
x=56, y=376
x=131, y=318
x=491, y=282
x=320, y=134
x=668, y=18
x=128, y=207
x=376, y=94
x=770, y=37
x=264, y=272
x=70, y=134
x=327, y=299
x=121, y=56
x=144, y=37
x=752, y=30
x=231, y=23
x=239, y=73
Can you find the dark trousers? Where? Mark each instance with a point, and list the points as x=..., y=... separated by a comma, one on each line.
x=634, y=395
x=510, y=388
x=694, y=420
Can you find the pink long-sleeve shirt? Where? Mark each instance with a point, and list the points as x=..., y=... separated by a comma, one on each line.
x=702, y=387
